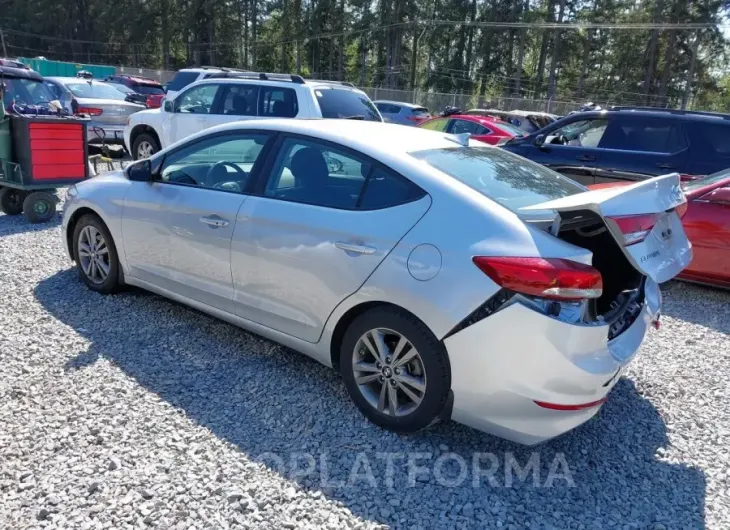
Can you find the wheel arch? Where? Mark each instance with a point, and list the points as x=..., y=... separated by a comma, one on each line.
x=71, y=227
x=348, y=318
x=142, y=128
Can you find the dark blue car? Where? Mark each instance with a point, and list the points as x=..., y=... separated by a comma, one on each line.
x=630, y=144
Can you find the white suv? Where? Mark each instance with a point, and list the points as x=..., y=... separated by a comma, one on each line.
x=188, y=76
x=233, y=96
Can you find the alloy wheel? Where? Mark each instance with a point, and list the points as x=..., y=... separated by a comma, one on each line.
x=145, y=150
x=389, y=372
x=94, y=254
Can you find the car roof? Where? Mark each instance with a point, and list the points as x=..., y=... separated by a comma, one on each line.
x=486, y=120
x=370, y=137
x=311, y=83
x=9, y=71
x=658, y=113
x=400, y=104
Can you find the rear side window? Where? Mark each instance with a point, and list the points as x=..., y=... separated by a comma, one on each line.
x=181, y=80
x=650, y=136
x=710, y=139
x=152, y=90
x=339, y=103
x=385, y=189
x=278, y=102
x=239, y=100
x=466, y=126
x=505, y=178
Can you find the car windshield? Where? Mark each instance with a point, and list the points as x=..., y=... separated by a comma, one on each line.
x=27, y=91
x=338, y=103
x=122, y=88
x=152, y=90
x=709, y=180
x=94, y=91
x=505, y=178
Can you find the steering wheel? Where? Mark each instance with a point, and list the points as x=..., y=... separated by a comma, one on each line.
x=211, y=172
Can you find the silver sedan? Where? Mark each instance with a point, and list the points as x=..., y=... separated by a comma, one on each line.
x=442, y=277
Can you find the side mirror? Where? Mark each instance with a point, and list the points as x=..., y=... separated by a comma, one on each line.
x=539, y=140
x=140, y=171
x=167, y=105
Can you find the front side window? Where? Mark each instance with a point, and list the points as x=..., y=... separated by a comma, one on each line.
x=436, y=125
x=583, y=133
x=240, y=100
x=197, y=100
x=465, y=126
x=313, y=173
x=505, y=178
x=222, y=162
x=278, y=102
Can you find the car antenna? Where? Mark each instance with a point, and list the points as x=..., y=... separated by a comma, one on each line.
x=462, y=139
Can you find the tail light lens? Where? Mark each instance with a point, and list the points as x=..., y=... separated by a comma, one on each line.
x=150, y=101
x=91, y=111
x=635, y=228
x=558, y=279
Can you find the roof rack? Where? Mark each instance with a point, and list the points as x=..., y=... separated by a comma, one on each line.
x=221, y=68
x=673, y=111
x=292, y=78
x=343, y=83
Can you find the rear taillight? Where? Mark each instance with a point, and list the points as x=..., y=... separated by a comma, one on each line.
x=558, y=279
x=635, y=228
x=91, y=111
x=414, y=119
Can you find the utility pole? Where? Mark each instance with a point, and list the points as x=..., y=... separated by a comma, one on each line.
x=2, y=39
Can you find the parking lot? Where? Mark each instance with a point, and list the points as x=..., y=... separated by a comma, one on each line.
x=131, y=411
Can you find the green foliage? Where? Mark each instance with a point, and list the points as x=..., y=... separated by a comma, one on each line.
x=393, y=44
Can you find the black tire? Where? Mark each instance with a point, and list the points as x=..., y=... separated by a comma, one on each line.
x=435, y=363
x=11, y=201
x=40, y=206
x=112, y=283
x=140, y=140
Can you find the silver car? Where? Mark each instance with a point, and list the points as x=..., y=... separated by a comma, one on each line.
x=402, y=113
x=442, y=277
x=106, y=106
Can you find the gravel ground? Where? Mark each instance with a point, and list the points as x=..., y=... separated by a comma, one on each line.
x=131, y=411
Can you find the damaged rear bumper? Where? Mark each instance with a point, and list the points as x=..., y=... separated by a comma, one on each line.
x=502, y=365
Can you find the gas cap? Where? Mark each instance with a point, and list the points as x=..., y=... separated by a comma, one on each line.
x=424, y=262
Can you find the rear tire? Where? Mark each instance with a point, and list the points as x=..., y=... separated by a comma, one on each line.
x=40, y=206
x=95, y=255
x=145, y=145
x=417, y=374
x=11, y=201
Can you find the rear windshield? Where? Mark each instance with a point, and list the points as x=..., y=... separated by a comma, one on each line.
x=505, y=178
x=706, y=181
x=338, y=103
x=181, y=80
x=149, y=89
x=420, y=111
x=94, y=90
x=514, y=131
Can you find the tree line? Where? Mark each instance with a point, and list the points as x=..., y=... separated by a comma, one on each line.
x=653, y=52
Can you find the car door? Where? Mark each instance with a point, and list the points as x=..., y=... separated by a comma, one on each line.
x=191, y=112
x=635, y=148
x=321, y=223
x=177, y=229
x=570, y=149
x=707, y=223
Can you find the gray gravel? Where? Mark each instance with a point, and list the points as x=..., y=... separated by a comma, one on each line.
x=130, y=411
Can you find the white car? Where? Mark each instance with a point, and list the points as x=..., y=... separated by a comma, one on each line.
x=188, y=76
x=232, y=96
x=443, y=278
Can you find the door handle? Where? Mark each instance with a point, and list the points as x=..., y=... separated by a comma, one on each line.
x=214, y=221
x=665, y=166
x=356, y=249
x=587, y=158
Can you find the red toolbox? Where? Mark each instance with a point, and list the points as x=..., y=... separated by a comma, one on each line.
x=51, y=151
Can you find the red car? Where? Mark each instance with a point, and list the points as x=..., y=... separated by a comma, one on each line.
x=707, y=224
x=483, y=128
x=149, y=88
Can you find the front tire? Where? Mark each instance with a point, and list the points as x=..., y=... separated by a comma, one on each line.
x=96, y=255
x=40, y=206
x=395, y=370
x=11, y=201
x=145, y=145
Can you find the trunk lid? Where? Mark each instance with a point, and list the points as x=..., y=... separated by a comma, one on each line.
x=665, y=250
x=114, y=112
